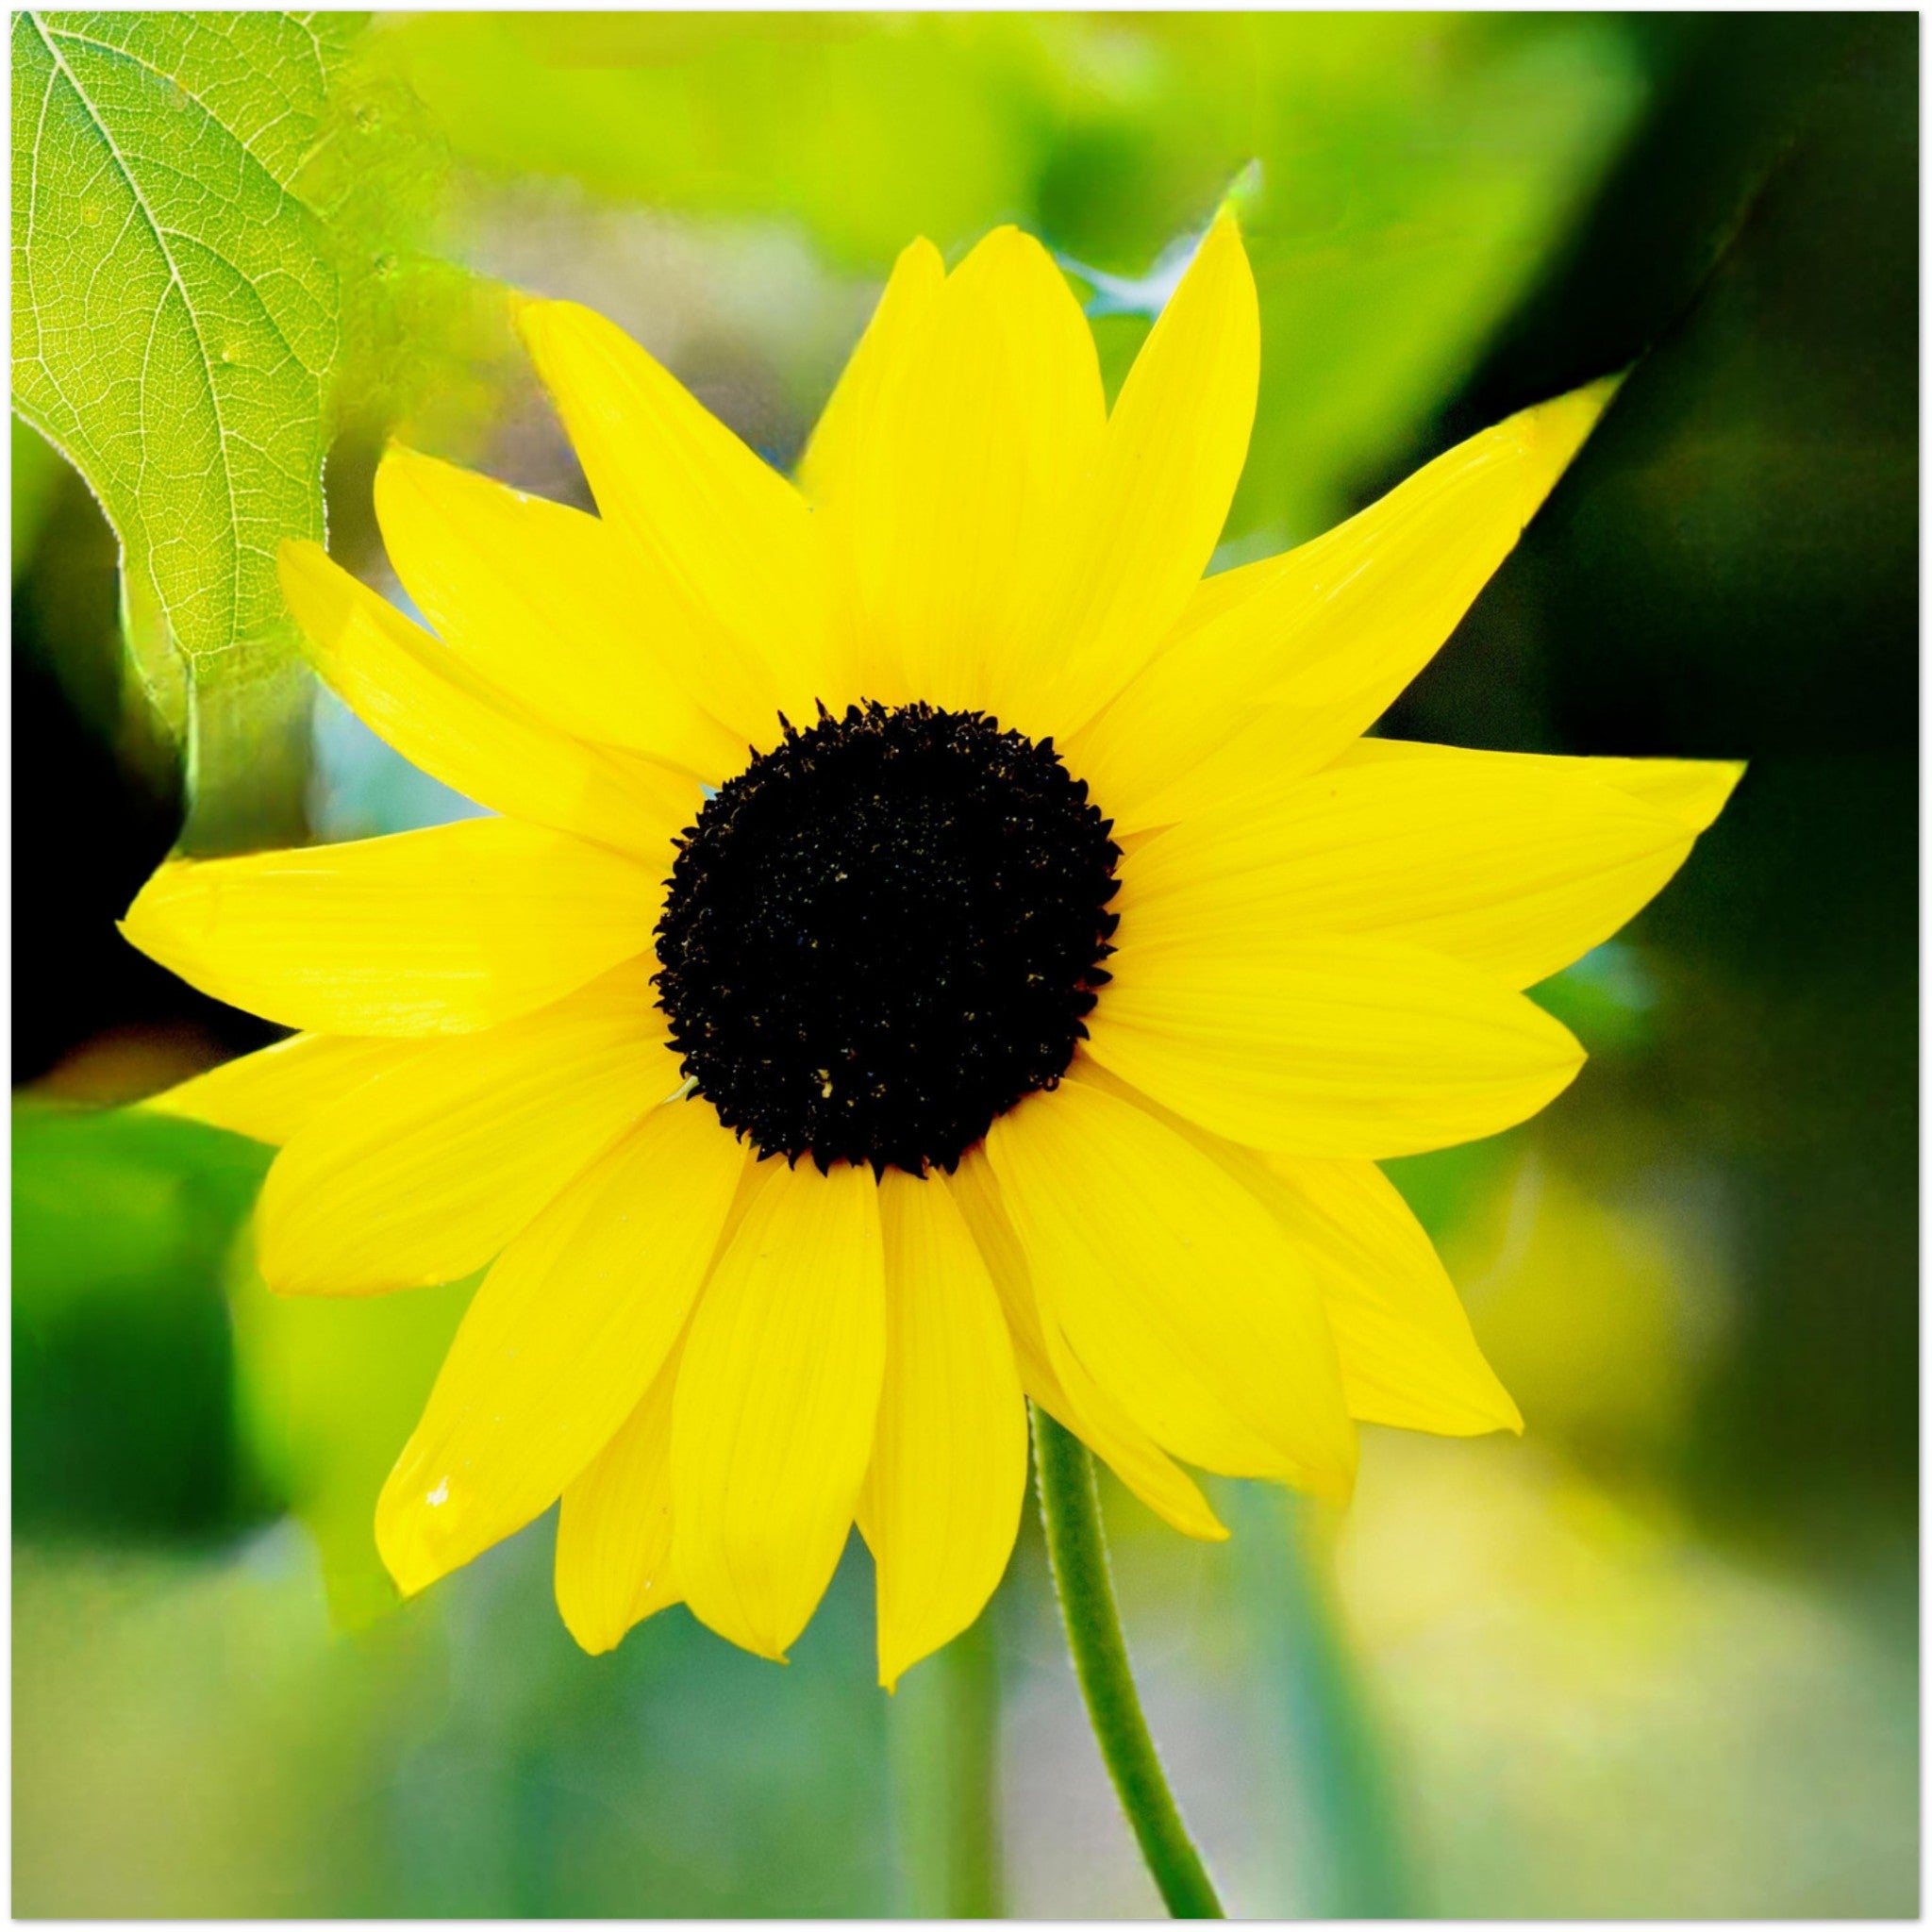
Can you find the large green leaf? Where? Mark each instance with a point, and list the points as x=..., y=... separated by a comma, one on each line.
x=212, y=216
x=176, y=317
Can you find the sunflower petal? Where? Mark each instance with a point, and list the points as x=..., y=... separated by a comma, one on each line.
x=950, y=518
x=424, y=1172
x=1407, y=1353
x=538, y=598
x=613, y=1531
x=1176, y=1288
x=940, y=1506
x=564, y=1337
x=419, y=696
x=849, y=425
x=1511, y=866
x=441, y=931
x=1408, y=1356
x=1053, y=1377
x=723, y=545
x=271, y=1095
x=1283, y=678
x=776, y=1405
x=1148, y=519
x=1331, y=1047
x=1691, y=791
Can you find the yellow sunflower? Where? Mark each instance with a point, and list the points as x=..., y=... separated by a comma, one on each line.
x=934, y=948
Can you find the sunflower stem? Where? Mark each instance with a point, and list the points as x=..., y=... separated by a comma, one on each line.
x=1077, y=1545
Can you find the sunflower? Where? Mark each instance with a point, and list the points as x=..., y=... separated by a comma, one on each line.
x=933, y=948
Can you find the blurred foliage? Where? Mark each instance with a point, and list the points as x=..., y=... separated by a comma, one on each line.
x=328, y=1393
x=460, y=1760
x=122, y=1356
x=1407, y=172
x=1678, y=1615
x=1732, y=568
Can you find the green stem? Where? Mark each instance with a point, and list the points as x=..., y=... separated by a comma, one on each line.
x=1077, y=1543
x=944, y=1725
x=972, y=1842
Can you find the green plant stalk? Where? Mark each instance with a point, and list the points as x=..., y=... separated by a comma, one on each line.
x=1077, y=1545
x=944, y=1750
x=1330, y=1778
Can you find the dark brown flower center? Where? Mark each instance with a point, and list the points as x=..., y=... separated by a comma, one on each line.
x=884, y=932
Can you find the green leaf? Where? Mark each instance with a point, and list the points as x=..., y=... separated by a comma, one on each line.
x=176, y=316
x=37, y=471
x=214, y=223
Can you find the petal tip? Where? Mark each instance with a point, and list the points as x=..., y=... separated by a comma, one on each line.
x=300, y=560
x=593, y=1639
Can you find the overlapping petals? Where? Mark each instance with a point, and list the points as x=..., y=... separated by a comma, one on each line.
x=1176, y=1288
x=271, y=1094
x=1514, y=866
x=721, y=547
x=950, y=475
x=1321, y=1046
x=613, y=1530
x=564, y=1338
x=773, y=1423
x=940, y=1504
x=423, y=1173
x=444, y=716
x=1298, y=654
x=542, y=602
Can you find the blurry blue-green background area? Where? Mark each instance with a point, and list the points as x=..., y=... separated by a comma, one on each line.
x=1659, y=1657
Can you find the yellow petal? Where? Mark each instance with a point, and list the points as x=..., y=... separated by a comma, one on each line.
x=777, y=1403
x=1281, y=679
x=565, y=1336
x=950, y=518
x=1514, y=866
x=1407, y=1354
x=1214, y=598
x=1692, y=790
x=1408, y=1357
x=613, y=1531
x=423, y=1173
x=439, y=931
x=1329, y=1047
x=1054, y=1377
x=1176, y=1288
x=723, y=545
x=273, y=1094
x=419, y=696
x=849, y=425
x=538, y=599
x=1695, y=790
x=940, y=1506
x=1149, y=519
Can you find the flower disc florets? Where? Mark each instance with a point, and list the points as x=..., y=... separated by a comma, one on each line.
x=884, y=932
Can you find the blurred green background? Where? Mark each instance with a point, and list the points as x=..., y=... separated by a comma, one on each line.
x=1659, y=1658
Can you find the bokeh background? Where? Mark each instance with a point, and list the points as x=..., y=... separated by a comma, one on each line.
x=1659, y=1658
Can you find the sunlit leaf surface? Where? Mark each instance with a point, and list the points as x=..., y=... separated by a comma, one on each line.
x=175, y=318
